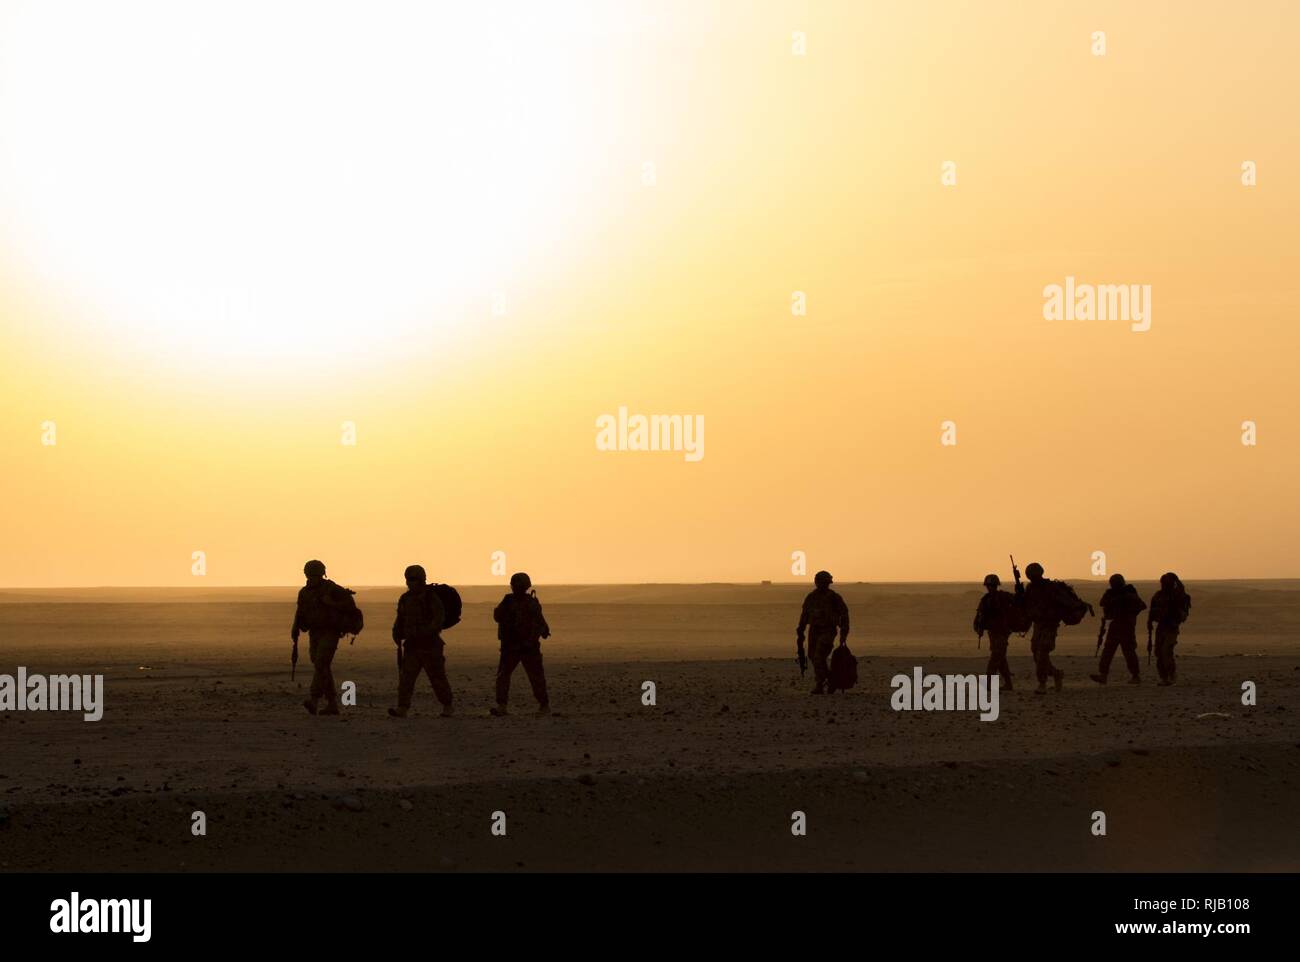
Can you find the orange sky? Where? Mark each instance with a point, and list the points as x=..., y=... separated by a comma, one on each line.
x=223, y=234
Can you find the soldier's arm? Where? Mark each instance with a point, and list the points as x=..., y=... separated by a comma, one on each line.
x=546, y=629
x=844, y=621
x=397, y=625
x=437, y=612
x=803, y=619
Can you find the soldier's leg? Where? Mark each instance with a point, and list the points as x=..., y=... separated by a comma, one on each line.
x=1129, y=645
x=313, y=693
x=1036, y=648
x=1044, y=642
x=313, y=651
x=435, y=666
x=1056, y=674
x=328, y=650
x=1107, y=653
x=1033, y=653
x=998, y=663
x=411, y=665
x=322, y=649
x=819, y=653
x=536, y=677
x=505, y=667
x=1165, y=641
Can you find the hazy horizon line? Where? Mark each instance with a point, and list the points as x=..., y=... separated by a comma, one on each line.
x=613, y=584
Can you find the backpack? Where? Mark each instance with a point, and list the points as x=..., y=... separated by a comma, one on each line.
x=1180, y=603
x=331, y=608
x=348, y=618
x=1069, y=607
x=843, y=671
x=450, y=599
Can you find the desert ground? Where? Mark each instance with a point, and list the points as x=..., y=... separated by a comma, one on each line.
x=201, y=715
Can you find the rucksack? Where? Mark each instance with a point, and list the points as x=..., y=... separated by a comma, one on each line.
x=1180, y=602
x=331, y=607
x=450, y=599
x=1069, y=607
x=348, y=617
x=843, y=671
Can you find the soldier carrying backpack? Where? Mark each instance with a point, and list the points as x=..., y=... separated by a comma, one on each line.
x=1170, y=607
x=1048, y=604
x=1120, y=605
x=998, y=614
x=521, y=626
x=325, y=611
x=823, y=614
x=421, y=617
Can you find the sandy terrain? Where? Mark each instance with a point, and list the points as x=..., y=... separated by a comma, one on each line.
x=201, y=714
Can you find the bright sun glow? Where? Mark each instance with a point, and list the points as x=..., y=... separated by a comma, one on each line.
x=259, y=179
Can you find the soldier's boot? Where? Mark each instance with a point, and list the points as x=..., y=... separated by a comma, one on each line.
x=543, y=711
x=1041, y=689
x=446, y=711
x=1006, y=683
x=499, y=711
x=1058, y=678
x=331, y=708
x=398, y=712
x=819, y=689
x=1135, y=679
x=1099, y=678
x=310, y=705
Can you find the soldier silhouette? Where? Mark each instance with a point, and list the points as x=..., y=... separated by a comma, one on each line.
x=420, y=617
x=823, y=614
x=321, y=607
x=997, y=615
x=1170, y=607
x=521, y=627
x=1040, y=607
x=1120, y=605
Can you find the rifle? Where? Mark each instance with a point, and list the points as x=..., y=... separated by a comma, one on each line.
x=801, y=658
x=293, y=661
x=979, y=637
x=1101, y=633
x=1148, y=642
x=1015, y=572
x=399, y=657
